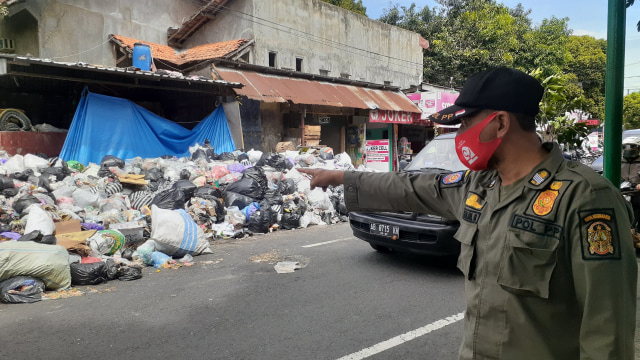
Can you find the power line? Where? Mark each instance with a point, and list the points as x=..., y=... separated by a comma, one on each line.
x=314, y=38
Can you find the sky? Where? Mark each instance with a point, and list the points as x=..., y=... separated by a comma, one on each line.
x=586, y=17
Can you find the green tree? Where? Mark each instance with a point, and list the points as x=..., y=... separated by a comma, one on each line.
x=588, y=60
x=351, y=5
x=545, y=47
x=631, y=111
x=409, y=18
x=561, y=94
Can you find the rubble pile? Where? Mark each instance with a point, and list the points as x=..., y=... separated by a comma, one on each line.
x=64, y=223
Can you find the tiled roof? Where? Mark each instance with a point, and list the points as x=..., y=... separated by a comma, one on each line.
x=198, y=53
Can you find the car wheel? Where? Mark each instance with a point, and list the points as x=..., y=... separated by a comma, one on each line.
x=380, y=248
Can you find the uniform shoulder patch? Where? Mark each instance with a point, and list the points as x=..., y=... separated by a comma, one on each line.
x=599, y=234
x=474, y=201
x=453, y=178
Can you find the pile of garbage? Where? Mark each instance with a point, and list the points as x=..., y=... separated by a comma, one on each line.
x=64, y=223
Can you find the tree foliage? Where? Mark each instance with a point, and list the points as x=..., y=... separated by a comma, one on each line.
x=468, y=36
x=631, y=111
x=351, y=5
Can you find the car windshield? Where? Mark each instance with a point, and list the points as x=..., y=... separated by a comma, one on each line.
x=439, y=153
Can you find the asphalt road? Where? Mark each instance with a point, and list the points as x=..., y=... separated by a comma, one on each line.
x=347, y=301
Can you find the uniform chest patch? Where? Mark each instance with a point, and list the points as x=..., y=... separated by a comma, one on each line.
x=599, y=235
x=453, y=178
x=544, y=202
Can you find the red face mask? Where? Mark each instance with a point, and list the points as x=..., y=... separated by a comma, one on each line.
x=472, y=153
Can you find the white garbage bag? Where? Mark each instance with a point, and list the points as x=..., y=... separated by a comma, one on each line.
x=40, y=220
x=176, y=234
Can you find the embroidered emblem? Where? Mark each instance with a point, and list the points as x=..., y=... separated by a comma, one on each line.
x=471, y=216
x=453, y=178
x=599, y=234
x=475, y=201
x=539, y=177
x=599, y=237
x=544, y=203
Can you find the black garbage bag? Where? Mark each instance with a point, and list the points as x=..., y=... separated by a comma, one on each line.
x=276, y=161
x=342, y=208
x=199, y=154
x=112, y=269
x=6, y=183
x=170, y=199
x=227, y=156
x=261, y=220
x=107, y=162
x=60, y=172
x=49, y=240
x=207, y=193
x=128, y=273
x=127, y=253
x=24, y=202
x=22, y=176
x=186, y=186
x=20, y=290
x=154, y=174
x=242, y=157
x=35, y=180
x=10, y=192
x=220, y=210
x=6, y=228
x=234, y=199
x=88, y=274
x=185, y=174
x=291, y=219
x=286, y=186
x=257, y=174
x=247, y=187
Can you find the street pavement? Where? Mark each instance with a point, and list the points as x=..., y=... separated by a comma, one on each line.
x=347, y=301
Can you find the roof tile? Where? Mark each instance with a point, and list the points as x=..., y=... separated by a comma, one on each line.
x=197, y=53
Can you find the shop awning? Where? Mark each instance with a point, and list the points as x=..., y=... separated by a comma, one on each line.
x=282, y=89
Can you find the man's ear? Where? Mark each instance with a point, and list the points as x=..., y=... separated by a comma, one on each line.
x=504, y=123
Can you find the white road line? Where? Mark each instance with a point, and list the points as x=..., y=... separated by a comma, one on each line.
x=400, y=339
x=327, y=242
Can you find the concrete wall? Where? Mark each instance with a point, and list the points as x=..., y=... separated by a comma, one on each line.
x=272, y=129
x=78, y=30
x=325, y=36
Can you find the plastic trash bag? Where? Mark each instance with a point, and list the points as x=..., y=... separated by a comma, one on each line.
x=39, y=220
x=88, y=274
x=186, y=186
x=112, y=269
x=21, y=289
x=170, y=199
x=276, y=161
x=85, y=198
x=109, y=161
x=207, y=193
x=159, y=259
x=6, y=182
x=256, y=174
x=227, y=156
x=128, y=273
x=250, y=209
x=235, y=168
x=286, y=186
x=291, y=220
x=247, y=187
x=145, y=250
x=23, y=203
x=234, y=199
x=261, y=220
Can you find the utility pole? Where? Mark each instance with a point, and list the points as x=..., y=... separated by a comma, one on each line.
x=614, y=90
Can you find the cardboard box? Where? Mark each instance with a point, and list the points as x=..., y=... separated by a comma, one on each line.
x=132, y=231
x=65, y=227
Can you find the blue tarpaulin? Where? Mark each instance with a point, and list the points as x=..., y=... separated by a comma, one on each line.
x=106, y=125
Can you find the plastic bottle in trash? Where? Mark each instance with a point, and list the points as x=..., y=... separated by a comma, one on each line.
x=186, y=259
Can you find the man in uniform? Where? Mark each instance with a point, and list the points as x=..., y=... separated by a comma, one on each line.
x=546, y=250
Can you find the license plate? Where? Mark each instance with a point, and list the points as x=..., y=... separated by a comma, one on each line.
x=384, y=229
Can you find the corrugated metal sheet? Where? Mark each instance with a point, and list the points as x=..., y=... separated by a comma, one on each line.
x=273, y=88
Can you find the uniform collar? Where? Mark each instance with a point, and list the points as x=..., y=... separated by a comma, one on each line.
x=542, y=174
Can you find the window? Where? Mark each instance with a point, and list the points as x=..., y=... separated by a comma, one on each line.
x=298, y=64
x=387, y=83
x=324, y=72
x=272, y=59
x=345, y=75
